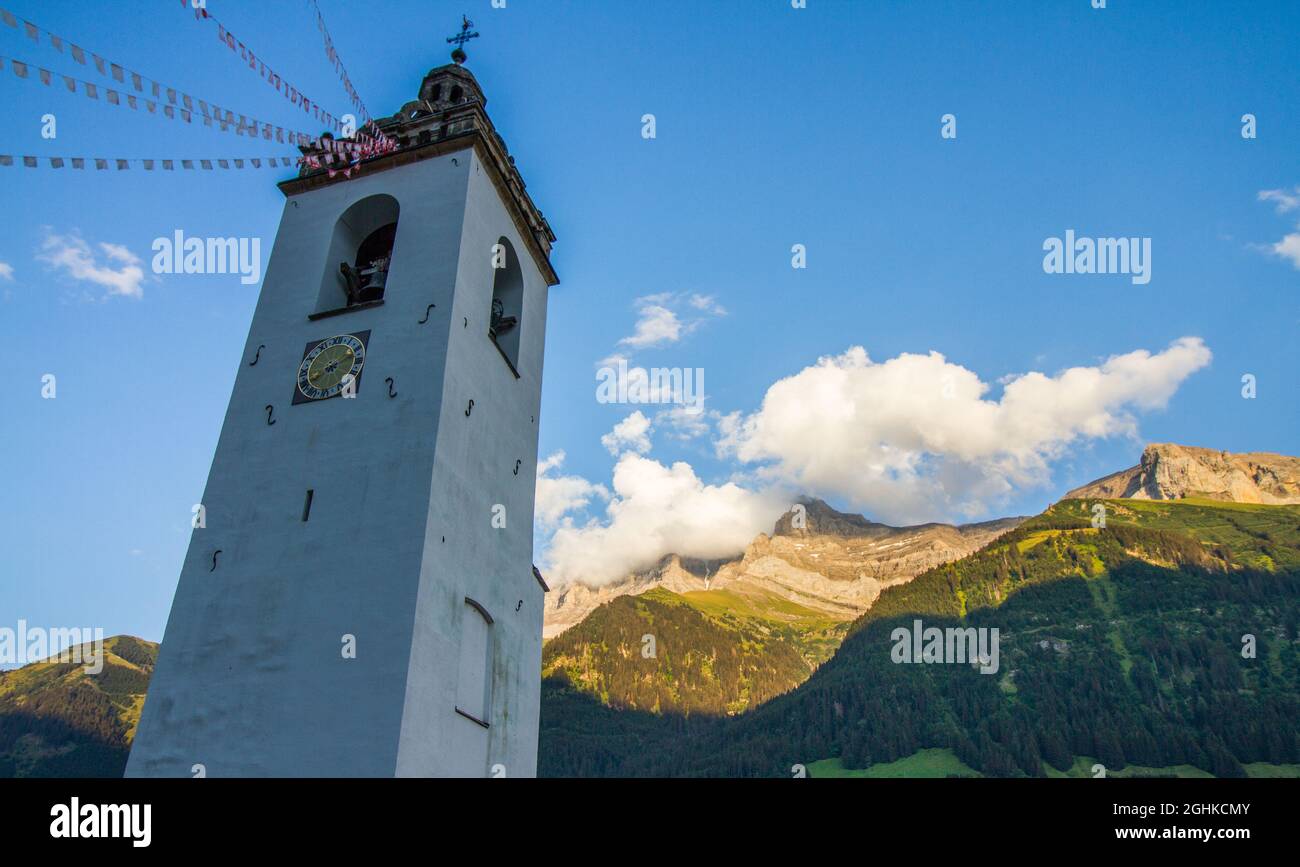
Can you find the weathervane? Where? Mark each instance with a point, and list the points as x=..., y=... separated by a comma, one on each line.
x=458, y=54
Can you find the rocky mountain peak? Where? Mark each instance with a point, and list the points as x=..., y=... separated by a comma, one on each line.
x=1172, y=472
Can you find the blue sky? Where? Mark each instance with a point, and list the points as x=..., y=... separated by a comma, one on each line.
x=774, y=127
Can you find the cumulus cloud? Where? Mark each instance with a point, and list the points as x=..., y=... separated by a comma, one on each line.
x=657, y=510
x=655, y=326
x=6, y=272
x=660, y=318
x=1287, y=200
x=917, y=438
x=74, y=257
x=558, y=495
x=631, y=434
x=1289, y=247
x=684, y=422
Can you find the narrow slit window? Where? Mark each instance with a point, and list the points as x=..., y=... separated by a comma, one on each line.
x=306, y=505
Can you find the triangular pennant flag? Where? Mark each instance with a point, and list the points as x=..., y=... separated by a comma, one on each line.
x=70, y=84
x=167, y=165
x=78, y=55
x=56, y=162
x=131, y=101
x=117, y=72
x=223, y=163
x=123, y=165
x=91, y=90
x=32, y=32
x=45, y=76
x=100, y=164
x=112, y=96
x=187, y=164
x=136, y=82
x=78, y=163
x=6, y=160
x=20, y=68
x=207, y=164
x=56, y=42
x=99, y=63
x=8, y=18
x=29, y=162
x=148, y=165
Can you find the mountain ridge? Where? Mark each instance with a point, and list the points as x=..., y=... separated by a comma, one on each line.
x=1168, y=471
x=837, y=562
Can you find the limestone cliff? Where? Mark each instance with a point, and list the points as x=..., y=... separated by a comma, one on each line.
x=1174, y=472
x=836, y=563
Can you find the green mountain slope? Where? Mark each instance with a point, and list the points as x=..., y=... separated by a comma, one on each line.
x=1122, y=643
x=707, y=652
x=56, y=720
x=717, y=653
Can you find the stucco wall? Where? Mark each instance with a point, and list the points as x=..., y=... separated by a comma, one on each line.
x=250, y=679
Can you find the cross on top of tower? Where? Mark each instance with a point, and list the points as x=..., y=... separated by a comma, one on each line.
x=458, y=54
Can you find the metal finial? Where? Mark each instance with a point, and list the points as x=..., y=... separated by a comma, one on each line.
x=458, y=54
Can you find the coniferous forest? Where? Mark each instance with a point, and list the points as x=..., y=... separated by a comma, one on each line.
x=1167, y=638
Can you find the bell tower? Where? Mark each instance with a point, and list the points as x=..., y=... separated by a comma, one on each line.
x=358, y=597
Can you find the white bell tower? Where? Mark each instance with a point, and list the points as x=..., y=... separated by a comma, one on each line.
x=361, y=599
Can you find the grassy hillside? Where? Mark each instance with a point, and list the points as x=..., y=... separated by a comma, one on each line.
x=56, y=720
x=714, y=652
x=1123, y=644
x=717, y=654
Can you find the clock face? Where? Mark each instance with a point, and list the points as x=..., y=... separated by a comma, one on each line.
x=328, y=366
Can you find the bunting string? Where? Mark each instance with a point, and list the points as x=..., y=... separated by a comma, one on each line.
x=331, y=154
x=332, y=55
x=178, y=104
x=295, y=97
x=123, y=164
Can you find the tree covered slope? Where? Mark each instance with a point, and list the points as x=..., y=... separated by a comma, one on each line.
x=57, y=720
x=1123, y=643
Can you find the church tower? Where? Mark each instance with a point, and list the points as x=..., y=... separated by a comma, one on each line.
x=358, y=598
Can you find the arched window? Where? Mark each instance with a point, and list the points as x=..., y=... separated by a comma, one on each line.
x=474, y=675
x=507, y=317
x=360, y=253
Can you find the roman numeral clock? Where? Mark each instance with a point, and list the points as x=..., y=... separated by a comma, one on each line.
x=331, y=367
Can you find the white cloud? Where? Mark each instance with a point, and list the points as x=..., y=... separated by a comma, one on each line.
x=77, y=259
x=657, y=510
x=914, y=438
x=1289, y=247
x=707, y=304
x=6, y=272
x=660, y=321
x=631, y=434
x=684, y=422
x=655, y=326
x=559, y=495
x=1286, y=199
